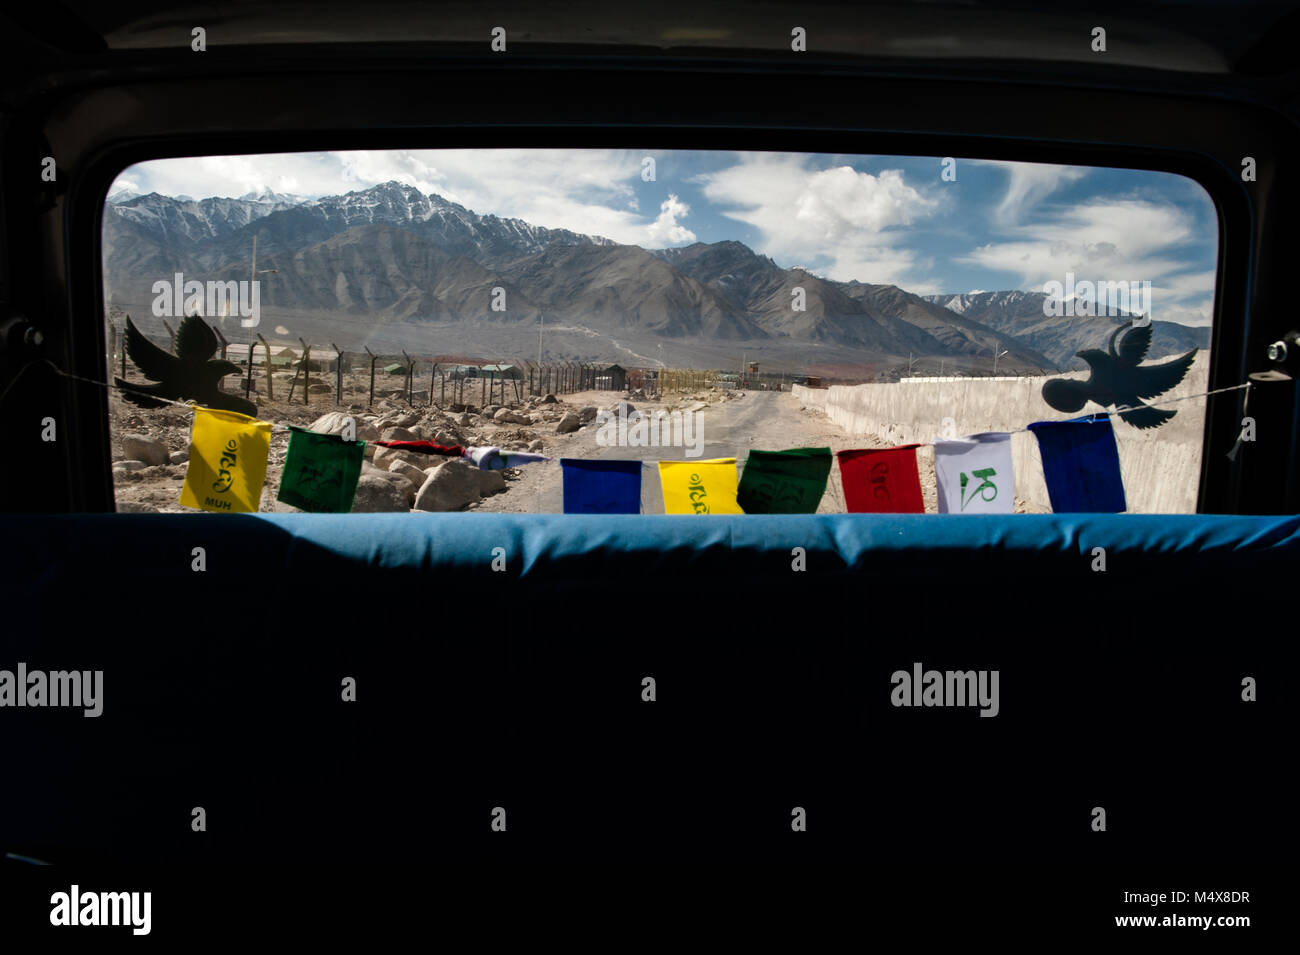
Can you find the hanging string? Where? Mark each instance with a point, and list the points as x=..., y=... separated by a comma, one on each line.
x=190, y=406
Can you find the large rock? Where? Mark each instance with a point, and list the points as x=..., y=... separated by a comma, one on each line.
x=402, y=481
x=141, y=447
x=570, y=422
x=333, y=423
x=410, y=471
x=399, y=433
x=384, y=457
x=376, y=493
x=450, y=487
x=588, y=413
x=179, y=457
x=507, y=416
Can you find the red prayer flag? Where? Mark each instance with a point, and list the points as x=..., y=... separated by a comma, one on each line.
x=881, y=480
x=424, y=447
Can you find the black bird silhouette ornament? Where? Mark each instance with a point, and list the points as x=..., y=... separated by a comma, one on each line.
x=1117, y=379
x=191, y=374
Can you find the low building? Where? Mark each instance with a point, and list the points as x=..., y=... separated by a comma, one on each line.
x=509, y=372
x=617, y=376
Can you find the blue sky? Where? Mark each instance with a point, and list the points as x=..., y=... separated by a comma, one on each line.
x=879, y=219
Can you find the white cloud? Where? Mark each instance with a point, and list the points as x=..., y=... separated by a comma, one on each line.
x=1028, y=184
x=1116, y=240
x=839, y=216
x=665, y=230
x=1109, y=240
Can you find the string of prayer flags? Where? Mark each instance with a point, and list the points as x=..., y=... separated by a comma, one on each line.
x=227, y=465
x=974, y=474
x=1081, y=465
x=601, y=486
x=881, y=480
x=320, y=471
x=700, y=487
x=424, y=447
x=784, y=482
x=494, y=459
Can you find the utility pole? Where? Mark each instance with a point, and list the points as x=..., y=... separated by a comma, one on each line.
x=248, y=382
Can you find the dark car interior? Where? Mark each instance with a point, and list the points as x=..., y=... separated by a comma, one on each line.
x=478, y=688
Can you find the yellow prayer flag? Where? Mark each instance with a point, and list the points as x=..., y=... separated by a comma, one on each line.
x=227, y=467
x=700, y=487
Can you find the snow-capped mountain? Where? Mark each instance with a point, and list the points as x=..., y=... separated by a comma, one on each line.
x=288, y=224
x=1019, y=313
x=171, y=219
x=268, y=196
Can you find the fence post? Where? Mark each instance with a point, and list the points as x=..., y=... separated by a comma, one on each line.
x=433, y=375
x=306, y=373
x=410, y=377
x=112, y=344
x=373, y=359
x=269, y=396
x=296, y=372
x=338, y=378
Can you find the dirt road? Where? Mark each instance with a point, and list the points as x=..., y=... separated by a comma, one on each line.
x=766, y=420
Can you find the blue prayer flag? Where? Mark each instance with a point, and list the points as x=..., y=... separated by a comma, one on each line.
x=601, y=487
x=1081, y=465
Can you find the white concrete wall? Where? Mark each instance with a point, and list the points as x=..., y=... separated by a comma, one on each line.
x=1160, y=467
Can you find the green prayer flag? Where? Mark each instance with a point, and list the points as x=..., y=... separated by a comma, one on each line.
x=784, y=482
x=321, y=471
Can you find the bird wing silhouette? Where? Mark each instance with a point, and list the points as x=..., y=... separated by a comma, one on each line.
x=195, y=340
x=1155, y=380
x=1143, y=416
x=1134, y=344
x=152, y=361
x=132, y=392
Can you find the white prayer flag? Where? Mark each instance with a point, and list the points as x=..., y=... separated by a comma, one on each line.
x=974, y=474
